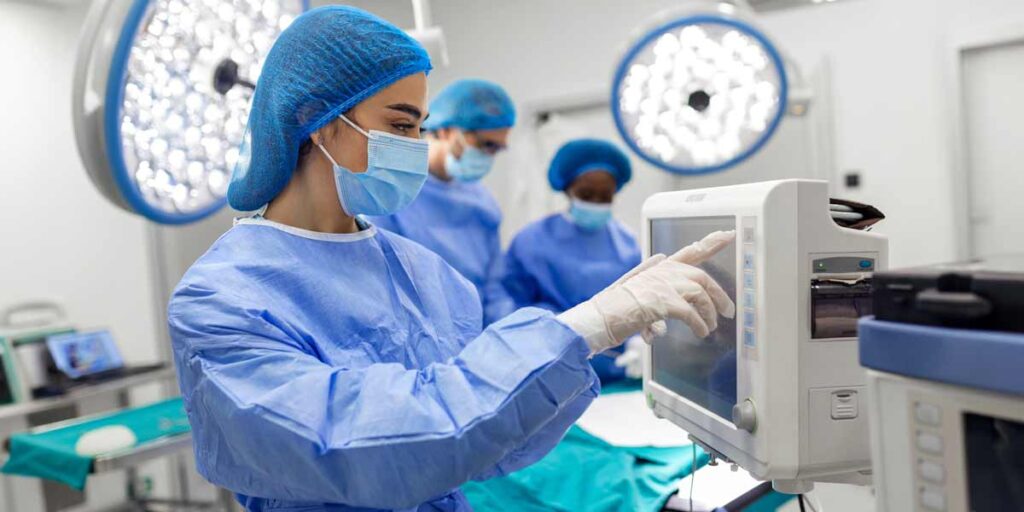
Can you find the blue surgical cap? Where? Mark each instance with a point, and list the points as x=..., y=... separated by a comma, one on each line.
x=329, y=60
x=471, y=105
x=585, y=155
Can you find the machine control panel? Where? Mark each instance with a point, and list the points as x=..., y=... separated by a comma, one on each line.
x=843, y=265
x=749, y=255
x=929, y=449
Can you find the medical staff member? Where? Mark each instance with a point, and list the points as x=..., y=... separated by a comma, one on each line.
x=329, y=365
x=455, y=215
x=564, y=259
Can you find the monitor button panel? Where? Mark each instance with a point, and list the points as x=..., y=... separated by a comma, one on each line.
x=929, y=448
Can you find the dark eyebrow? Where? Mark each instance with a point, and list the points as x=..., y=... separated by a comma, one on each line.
x=407, y=109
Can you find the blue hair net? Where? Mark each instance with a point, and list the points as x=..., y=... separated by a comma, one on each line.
x=328, y=61
x=583, y=155
x=472, y=105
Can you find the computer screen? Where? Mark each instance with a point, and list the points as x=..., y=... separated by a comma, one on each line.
x=84, y=353
x=701, y=370
x=995, y=463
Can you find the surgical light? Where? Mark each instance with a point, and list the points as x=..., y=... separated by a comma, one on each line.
x=162, y=95
x=700, y=93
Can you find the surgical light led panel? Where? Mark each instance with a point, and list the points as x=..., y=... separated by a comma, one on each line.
x=162, y=96
x=699, y=94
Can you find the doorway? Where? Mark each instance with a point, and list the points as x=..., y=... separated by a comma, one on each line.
x=992, y=115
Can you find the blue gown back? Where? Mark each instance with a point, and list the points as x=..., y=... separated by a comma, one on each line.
x=460, y=222
x=554, y=264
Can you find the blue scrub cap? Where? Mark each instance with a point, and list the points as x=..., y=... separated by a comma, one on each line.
x=583, y=155
x=329, y=60
x=472, y=105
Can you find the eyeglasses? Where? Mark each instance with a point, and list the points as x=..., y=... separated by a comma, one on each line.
x=488, y=146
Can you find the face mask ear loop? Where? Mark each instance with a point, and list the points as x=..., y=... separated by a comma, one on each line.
x=353, y=125
x=328, y=155
x=350, y=123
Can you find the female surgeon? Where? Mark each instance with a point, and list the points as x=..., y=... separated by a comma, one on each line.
x=564, y=259
x=329, y=365
x=456, y=216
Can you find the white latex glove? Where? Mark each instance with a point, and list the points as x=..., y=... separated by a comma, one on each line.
x=702, y=251
x=653, y=331
x=658, y=328
x=657, y=289
x=632, y=359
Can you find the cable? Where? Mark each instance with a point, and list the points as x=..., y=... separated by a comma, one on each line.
x=693, y=474
x=812, y=502
x=815, y=503
x=801, y=498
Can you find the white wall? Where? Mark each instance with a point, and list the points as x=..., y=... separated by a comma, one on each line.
x=61, y=240
x=888, y=61
x=890, y=93
x=894, y=104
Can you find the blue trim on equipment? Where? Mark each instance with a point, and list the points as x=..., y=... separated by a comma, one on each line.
x=978, y=359
x=114, y=98
x=620, y=75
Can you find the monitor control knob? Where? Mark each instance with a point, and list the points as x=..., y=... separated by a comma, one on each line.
x=744, y=416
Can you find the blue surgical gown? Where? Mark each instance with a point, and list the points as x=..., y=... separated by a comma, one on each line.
x=460, y=222
x=554, y=264
x=349, y=372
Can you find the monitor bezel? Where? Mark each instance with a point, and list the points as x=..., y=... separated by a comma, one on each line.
x=740, y=446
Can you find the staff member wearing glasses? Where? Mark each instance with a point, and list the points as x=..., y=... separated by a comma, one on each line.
x=455, y=216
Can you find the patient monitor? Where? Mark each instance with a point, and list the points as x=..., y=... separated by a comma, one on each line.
x=778, y=390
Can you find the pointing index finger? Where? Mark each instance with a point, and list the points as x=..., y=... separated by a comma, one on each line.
x=644, y=265
x=699, y=252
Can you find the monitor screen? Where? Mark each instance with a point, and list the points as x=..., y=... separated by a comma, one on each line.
x=84, y=353
x=701, y=370
x=995, y=463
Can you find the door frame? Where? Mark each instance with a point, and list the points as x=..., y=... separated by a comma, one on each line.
x=978, y=38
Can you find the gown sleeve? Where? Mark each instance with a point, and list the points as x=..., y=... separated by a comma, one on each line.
x=539, y=444
x=271, y=419
x=497, y=303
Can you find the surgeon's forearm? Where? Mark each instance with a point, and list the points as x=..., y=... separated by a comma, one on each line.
x=390, y=437
x=538, y=445
x=548, y=307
